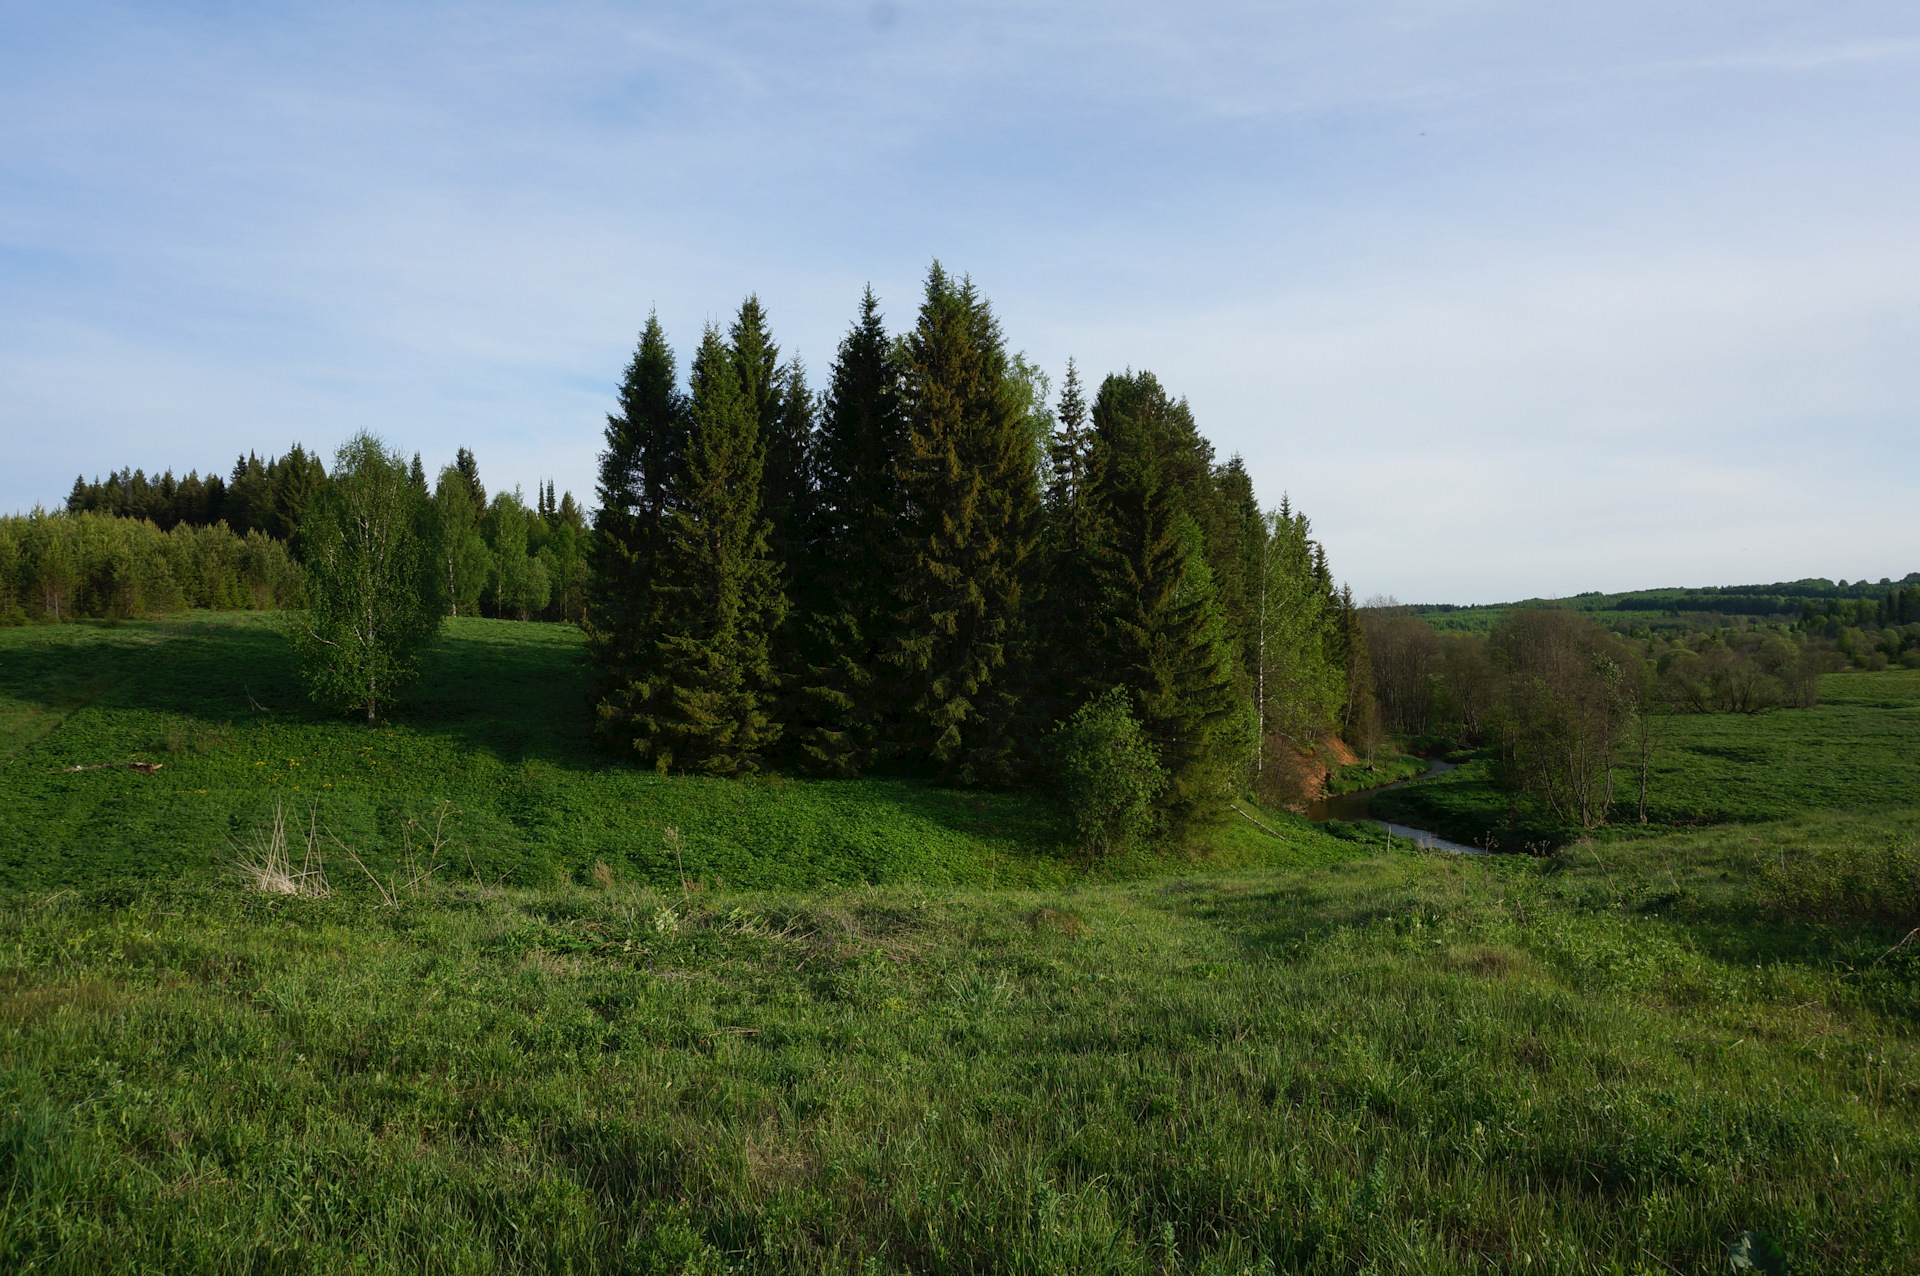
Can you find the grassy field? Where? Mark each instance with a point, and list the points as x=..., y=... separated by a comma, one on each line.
x=497, y=730
x=1403, y=1063
x=1858, y=750
x=1331, y=1059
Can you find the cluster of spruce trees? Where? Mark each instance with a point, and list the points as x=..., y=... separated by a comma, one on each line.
x=266, y=496
x=924, y=567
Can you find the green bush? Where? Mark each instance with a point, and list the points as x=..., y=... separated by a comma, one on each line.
x=1109, y=773
x=1845, y=884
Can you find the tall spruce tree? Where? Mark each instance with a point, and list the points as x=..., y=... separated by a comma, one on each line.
x=1067, y=606
x=703, y=705
x=961, y=562
x=840, y=588
x=645, y=440
x=782, y=407
x=1160, y=631
x=1299, y=691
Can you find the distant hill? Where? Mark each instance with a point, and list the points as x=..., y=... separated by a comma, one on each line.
x=1678, y=608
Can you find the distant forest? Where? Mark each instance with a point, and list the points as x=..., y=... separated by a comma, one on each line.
x=199, y=542
x=1677, y=610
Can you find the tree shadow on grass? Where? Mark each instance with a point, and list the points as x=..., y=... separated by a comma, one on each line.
x=517, y=692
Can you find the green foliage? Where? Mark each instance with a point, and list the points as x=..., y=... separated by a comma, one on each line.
x=1568, y=706
x=1298, y=687
x=373, y=584
x=703, y=704
x=971, y=506
x=460, y=551
x=518, y=586
x=57, y=567
x=1159, y=630
x=268, y=496
x=843, y=602
x=1108, y=773
x=644, y=439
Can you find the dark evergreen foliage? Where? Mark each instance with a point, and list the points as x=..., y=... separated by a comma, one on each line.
x=842, y=597
x=1159, y=631
x=643, y=439
x=960, y=565
x=691, y=613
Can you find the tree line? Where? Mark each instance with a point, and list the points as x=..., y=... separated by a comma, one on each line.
x=927, y=567
x=933, y=565
x=70, y=566
x=1568, y=706
x=502, y=558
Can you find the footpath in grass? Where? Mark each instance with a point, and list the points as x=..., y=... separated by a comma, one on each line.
x=1405, y=1063
x=496, y=732
x=1858, y=750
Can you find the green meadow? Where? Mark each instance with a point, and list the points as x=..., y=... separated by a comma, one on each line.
x=1857, y=750
x=879, y=1026
x=495, y=733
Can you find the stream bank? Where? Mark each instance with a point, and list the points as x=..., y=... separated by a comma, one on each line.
x=1354, y=808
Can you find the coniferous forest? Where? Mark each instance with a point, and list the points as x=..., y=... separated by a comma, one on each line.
x=928, y=567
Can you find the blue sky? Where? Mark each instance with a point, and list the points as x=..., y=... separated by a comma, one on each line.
x=1513, y=299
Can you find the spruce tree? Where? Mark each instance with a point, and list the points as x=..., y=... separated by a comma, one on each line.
x=960, y=564
x=841, y=593
x=703, y=703
x=1160, y=632
x=645, y=439
x=782, y=411
x=1067, y=604
x=1298, y=689
x=470, y=473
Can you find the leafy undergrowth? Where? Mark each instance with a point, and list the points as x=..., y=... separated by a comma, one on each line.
x=496, y=731
x=1405, y=1063
x=1859, y=749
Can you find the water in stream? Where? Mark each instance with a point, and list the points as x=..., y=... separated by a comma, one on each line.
x=1354, y=807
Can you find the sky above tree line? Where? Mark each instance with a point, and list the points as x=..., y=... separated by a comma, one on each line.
x=1513, y=299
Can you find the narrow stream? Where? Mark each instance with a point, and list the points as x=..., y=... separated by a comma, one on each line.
x=1355, y=807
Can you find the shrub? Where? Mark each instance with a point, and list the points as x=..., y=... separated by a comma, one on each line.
x=1109, y=774
x=1846, y=885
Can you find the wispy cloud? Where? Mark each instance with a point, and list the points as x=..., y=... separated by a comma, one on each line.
x=1428, y=265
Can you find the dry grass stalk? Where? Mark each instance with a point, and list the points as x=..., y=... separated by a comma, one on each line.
x=602, y=875
x=268, y=865
x=671, y=837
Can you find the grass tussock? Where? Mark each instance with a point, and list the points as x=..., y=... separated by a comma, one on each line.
x=266, y=864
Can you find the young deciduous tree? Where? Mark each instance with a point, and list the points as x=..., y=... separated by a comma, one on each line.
x=1108, y=773
x=374, y=600
x=1568, y=712
x=518, y=586
x=460, y=553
